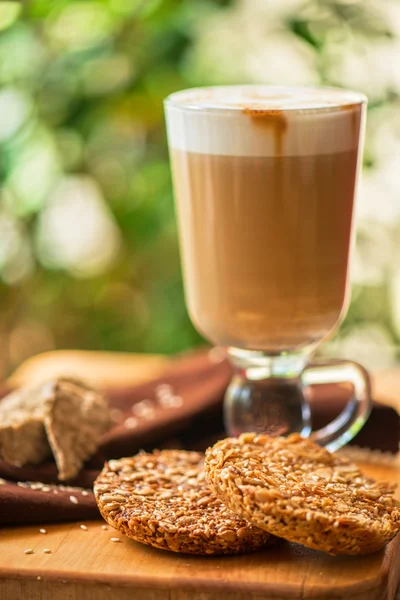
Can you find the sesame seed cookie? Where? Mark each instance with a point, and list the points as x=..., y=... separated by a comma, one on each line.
x=294, y=489
x=162, y=499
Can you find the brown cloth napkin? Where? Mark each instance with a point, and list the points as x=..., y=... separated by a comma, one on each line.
x=181, y=409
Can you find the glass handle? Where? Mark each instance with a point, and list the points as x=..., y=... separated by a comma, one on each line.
x=352, y=418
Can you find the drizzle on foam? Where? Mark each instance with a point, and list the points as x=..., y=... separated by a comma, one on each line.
x=246, y=120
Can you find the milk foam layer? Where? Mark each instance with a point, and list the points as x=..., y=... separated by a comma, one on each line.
x=264, y=120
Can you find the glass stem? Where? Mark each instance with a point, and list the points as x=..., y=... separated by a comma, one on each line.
x=267, y=394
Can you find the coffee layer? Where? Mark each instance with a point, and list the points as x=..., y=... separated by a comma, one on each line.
x=265, y=245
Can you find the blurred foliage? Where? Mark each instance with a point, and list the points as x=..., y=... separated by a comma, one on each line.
x=88, y=250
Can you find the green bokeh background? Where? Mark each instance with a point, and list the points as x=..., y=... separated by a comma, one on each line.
x=88, y=245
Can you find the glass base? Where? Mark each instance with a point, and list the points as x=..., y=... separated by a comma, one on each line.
x=275, y=407
x=266, y=395
x=269, y=394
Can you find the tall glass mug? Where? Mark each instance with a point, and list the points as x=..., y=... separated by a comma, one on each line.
x=264, y=180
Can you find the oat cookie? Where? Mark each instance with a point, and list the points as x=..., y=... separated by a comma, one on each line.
x=162, y=499
x=297, y=490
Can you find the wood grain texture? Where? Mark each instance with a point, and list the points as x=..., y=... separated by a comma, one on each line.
x=86, y=565
x=100, y=369
x=84, y=562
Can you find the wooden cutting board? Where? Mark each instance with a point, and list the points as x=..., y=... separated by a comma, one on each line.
x=86, y=565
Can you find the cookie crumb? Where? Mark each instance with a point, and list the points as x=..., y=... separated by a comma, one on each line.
x=164, y=389
x=171, y=401
x=116, y=415
x=131, y=423
x=144, y=409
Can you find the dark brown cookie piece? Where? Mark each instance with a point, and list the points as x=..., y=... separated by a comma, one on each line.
x=162, y=499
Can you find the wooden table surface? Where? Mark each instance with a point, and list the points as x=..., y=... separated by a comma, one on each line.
x=87, y=565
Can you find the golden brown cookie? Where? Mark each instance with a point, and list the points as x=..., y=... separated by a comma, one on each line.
x=297, y=490
x=162, y=499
